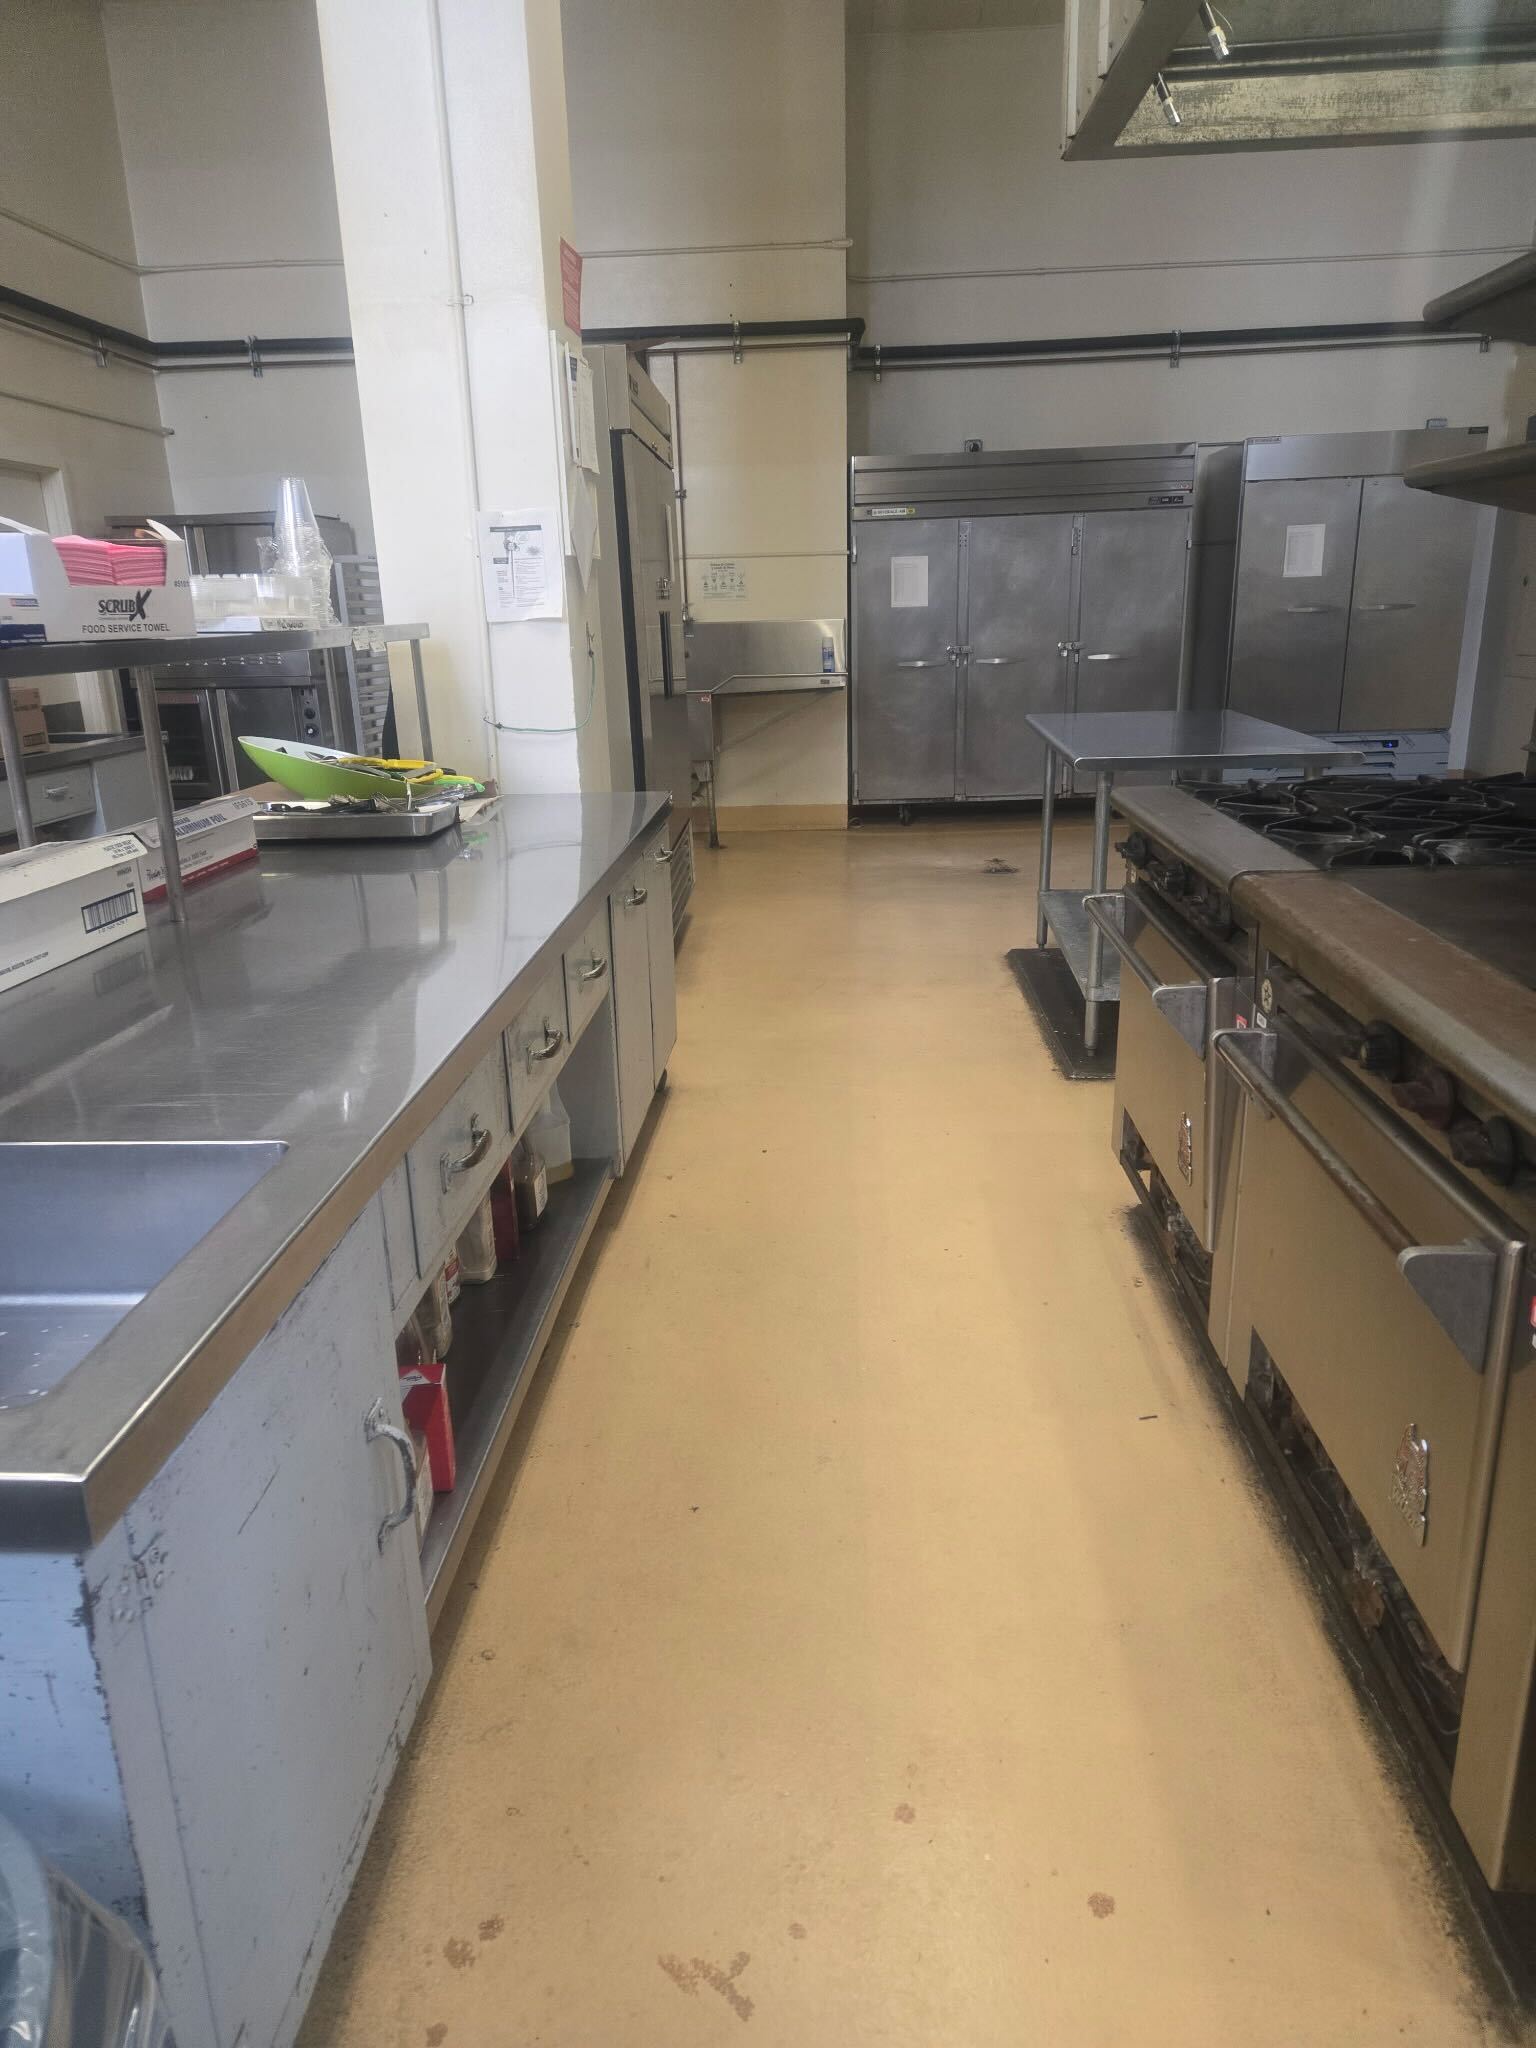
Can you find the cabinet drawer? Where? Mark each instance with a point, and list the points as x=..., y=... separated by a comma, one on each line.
x=588, y=972
x=55, y=793
x=457, y=1157
x=538, y=1046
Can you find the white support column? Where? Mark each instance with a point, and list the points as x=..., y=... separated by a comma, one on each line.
x=448, y=130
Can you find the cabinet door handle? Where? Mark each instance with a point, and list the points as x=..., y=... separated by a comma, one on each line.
x=1311, y=607
x=593, y=971
x=637, y=896
x=553, y=1040
x=479, y=1147
x=57, y=790
x=1402, y=604
x=377, y=1428
x=948, y=658
x=998, y=660
x=665, y=854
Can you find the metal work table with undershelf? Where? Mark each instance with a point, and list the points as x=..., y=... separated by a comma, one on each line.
x=234, y=1153
x=1105, y=742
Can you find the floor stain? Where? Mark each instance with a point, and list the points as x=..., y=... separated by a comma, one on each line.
x=489, y=1929
x=905, y=1812
x=459, y=1954
x=796, y=1931
x=689, y=1976
x=437, y=2034
x=1100, y=1905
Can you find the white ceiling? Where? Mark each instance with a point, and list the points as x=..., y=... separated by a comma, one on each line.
x=866, y=15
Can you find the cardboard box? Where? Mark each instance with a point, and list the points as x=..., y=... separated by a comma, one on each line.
x=31, y=726
x=38, y=603
x=211, y=837
x=61, y=901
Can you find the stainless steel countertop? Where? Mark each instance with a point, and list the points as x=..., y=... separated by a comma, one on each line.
x=1218, y=847
x=331, y=997
x=1179, y=739
x=69, y=753
x=1383, y=944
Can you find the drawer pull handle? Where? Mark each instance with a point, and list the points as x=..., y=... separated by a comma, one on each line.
x=594, y=970
x=57, y=790
x=636, y=897
x=1182, y=1003
x=479, y=1147
x=377, y=1428
x=665, y=854
x=553, y=1040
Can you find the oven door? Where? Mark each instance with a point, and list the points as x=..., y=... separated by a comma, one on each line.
x=1382, y=1288
x=1173, y=996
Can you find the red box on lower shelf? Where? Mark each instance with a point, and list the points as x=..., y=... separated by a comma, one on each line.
x=426, y=1409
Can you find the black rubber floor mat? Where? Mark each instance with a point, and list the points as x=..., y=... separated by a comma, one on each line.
x=1047, y=985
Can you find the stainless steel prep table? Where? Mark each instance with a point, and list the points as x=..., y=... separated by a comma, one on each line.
x=329, y=998
x=1104, y=742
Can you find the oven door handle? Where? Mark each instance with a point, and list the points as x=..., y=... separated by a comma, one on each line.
x=1185, y=1004
x=1458, y=1283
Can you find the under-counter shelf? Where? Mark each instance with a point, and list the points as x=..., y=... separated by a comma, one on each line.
x=1071, y=928
x=499, y=1334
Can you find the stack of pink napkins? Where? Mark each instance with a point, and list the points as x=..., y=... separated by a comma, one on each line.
x=111, y=561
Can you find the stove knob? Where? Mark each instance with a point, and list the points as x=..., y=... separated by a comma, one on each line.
x=1431, y=1094
x=1381, y=1051
x=1492, y=1147
x=1135, y=848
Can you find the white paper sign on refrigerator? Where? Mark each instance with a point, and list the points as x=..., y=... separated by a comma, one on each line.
x=909, y=583
x=1304, y=550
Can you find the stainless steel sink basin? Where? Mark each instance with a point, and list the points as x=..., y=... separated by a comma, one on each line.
x=87, y=1230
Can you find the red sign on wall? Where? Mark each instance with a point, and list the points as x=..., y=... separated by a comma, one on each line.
x=570, y=284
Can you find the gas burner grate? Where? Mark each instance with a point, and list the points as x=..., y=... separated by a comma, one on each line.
x=1341, y=821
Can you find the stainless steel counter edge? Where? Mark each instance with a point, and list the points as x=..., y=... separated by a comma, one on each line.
x=64, y=1483
x=1219, y=847
x=64, y=753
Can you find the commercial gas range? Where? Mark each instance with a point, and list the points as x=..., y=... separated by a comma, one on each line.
x=1327, y=1098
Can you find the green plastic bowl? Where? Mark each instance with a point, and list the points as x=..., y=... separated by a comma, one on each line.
x=321, y=772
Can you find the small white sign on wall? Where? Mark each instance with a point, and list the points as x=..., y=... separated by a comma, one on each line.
x=909, y=583
x=1304, y=550
x=725, y=581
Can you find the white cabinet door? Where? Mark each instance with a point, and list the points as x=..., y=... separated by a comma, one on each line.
x=629, y=910
x=287, y=1637
x=656, y=878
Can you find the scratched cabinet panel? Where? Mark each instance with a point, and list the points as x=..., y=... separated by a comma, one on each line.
x=288, y=1644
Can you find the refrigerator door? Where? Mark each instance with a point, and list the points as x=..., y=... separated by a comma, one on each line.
x=906, y=633
x=1290, y=624
x=1413, y=567
x=1018, y=622
x=1130, y=625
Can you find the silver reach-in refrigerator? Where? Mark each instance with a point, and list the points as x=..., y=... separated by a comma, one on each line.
x=640, y=589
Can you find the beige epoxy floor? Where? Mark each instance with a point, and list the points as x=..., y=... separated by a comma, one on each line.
x=877, y=1640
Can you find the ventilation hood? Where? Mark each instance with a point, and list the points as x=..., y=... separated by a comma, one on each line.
x=1145, y=77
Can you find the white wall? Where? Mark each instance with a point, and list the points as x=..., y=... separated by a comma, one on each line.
x=92, y=433
x=234, y=212
x=967, y=226
x=707, y=166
